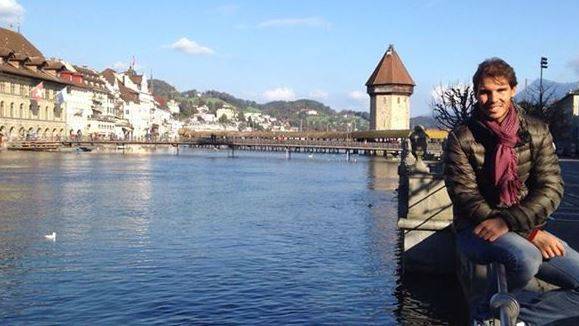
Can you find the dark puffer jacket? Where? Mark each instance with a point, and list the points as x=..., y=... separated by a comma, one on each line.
x=468, y=153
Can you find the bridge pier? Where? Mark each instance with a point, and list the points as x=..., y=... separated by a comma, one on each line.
x=288, y=153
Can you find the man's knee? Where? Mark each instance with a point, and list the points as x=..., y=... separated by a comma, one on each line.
x=528, y=264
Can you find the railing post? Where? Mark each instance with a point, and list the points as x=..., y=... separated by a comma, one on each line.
x=507, y=304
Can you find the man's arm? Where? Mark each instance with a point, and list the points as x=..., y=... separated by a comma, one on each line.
x=545, y=190
x=461, y=183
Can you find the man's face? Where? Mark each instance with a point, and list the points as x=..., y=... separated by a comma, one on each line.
x=494, y=97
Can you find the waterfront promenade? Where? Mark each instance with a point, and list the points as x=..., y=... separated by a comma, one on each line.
x=565, y=221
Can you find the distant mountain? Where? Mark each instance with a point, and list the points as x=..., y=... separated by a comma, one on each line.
x=425, y=121
x=552, y=91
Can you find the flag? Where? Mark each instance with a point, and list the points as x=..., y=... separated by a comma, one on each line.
x=37, y=92
x=60, y=97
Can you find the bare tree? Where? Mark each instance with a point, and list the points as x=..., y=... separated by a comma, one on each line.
x=560, y=122
x=530, y=99
x=452, y=105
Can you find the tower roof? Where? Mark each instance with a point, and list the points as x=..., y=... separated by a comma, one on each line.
x=390, y=71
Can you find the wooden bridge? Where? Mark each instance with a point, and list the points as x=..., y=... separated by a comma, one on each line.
x=287, y=145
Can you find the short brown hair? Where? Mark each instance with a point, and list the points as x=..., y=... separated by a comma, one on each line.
x=494, y=68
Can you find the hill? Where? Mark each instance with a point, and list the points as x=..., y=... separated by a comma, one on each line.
x=162, y=89
x=423, y=120
x=304, y=113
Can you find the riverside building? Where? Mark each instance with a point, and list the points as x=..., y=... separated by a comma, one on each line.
x=28, y=92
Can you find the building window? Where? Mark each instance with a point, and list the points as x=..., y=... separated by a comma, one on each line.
x=46, y=113
x=11, y=110
x=56, y=113
x=2, y=109
x=21, y=111
x=2, y=87
x=398, y=98
x=12, y=88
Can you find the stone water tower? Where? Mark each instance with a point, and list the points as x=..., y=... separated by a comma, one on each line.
x=390, y=87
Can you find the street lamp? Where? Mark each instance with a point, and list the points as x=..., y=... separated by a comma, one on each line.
x=544, y=65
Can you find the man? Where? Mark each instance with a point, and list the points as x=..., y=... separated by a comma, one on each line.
x=504, y=179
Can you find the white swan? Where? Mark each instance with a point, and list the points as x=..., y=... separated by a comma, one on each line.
x=51, y=236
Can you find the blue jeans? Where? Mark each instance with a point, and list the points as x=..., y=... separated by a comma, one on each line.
x=522, y=262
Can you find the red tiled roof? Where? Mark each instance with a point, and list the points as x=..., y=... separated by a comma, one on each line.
x=18, y=43
x=137, y=79
x=54, y=65
x=127, y=94
x=390, y=70
x=4, y=52
x=109, y=75
x=26, y=72
x=34, y=61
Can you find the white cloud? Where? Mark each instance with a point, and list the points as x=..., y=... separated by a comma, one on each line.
x=11, y=12
x=319, y=94
x=574, y=64
x=187, y=46
x=291, y=22
x=279, y=94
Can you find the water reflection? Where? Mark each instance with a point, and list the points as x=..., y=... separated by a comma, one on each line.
x=420, y=299
x=382, y=173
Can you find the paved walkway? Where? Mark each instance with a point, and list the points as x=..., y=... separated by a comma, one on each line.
x=565, y=223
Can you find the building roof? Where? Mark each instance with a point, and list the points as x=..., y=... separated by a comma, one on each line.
x=54, y=65
x=135, y=78
x=109, y=75
x=390, y=71
x=127, y=94
x=26, y=72
x=18, y=43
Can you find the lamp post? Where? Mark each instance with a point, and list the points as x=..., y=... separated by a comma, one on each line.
x=544, y=65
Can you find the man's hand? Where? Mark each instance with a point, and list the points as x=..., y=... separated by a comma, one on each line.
x=549, y=245
x=491, y=229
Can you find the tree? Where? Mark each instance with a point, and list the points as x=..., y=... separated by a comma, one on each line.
x=223, y=119
x=452, y=105
x=530, y=98
x=560, y=123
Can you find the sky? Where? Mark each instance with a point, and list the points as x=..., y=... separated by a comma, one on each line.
x=322, y=50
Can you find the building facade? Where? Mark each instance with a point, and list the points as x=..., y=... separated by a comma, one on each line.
x=28, y=92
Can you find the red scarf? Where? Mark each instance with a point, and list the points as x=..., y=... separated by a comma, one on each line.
x=504, y=167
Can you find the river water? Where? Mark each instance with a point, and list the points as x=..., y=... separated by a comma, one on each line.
x=203, y=238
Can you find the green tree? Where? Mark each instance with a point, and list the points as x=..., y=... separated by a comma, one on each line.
x=223, y=119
